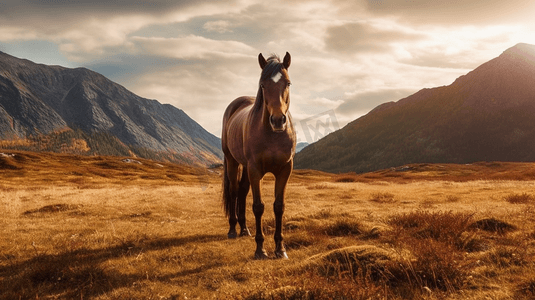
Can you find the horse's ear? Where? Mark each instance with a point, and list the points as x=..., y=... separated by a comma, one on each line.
x=262, y=61
x=287, y=60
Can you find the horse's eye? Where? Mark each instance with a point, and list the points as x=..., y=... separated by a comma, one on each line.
x=261, y=86
x=289, y=83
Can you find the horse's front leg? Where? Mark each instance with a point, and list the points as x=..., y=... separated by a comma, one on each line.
x=242, y=199
x=281, y=180
x=230, y=194
x=255, y=178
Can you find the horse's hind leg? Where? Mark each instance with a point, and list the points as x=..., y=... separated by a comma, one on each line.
x=281, y=180
x=258, y=209
x=242, y=197
x=232, y=173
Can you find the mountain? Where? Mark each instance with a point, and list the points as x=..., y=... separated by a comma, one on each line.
x=300, y=146
x=37, y=99
x=485, y=115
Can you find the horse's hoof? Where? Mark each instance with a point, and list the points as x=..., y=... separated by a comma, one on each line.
x=232, y=234
x=281, y=255
x=245, y=232
x=262, y=255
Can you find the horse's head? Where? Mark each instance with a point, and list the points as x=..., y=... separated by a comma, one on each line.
x=275, y=89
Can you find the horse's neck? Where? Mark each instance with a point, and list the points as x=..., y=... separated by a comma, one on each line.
x=259, y=101
x=259, y=110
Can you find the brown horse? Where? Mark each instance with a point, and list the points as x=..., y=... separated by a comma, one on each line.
x=258, y=137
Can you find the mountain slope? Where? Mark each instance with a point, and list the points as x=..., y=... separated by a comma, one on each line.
x=485, y=115
x=38, y=99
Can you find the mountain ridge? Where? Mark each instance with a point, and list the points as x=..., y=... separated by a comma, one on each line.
x=484, y=115
x=38, y=99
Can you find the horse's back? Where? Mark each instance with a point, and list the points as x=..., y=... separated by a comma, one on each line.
x=233, y=122
x=237, y=105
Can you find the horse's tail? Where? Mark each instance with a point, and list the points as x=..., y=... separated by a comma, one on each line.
x=226, y=189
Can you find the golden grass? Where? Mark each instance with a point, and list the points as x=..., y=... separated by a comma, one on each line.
x=101, y=228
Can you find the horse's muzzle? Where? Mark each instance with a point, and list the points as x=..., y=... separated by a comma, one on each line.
x=278, y=123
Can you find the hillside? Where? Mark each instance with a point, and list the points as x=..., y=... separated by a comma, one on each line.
x=38, y=100
x=485, y=115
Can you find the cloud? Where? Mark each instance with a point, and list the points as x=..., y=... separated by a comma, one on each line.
x=190, y=46
x=100, y=9
x=464, y=48
x=452, y=12
x=361, y=102
x=88, y=30
x=355, y=37
x=8, y=33
x=220, y=26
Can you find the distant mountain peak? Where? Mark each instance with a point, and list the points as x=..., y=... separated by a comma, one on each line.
x=520, y=51
x=522, y=47
x=485, y=115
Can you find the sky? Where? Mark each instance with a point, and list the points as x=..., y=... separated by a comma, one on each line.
x=348, y=56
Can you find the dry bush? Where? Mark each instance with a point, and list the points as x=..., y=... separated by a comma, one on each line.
x=323, y=214
x=441, y=226
x=523, y=198
x=526, y=290
x=299, y=240
x=452, y=198
x=493, y=225
x=507, y=256
x=436, y=265
x=382, y=197
x=343, y=227
x=346, y=178
x=437, y=242
x=364, y=261
x=354, y=272
x=430, y=264
x=447, y=227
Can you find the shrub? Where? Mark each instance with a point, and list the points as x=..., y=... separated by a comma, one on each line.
x=344, y=227
x=299, y=240
x=347, y=178
x=519, y=198
x=435, y=265
x=382, y=197
x=507, y=256
x=492, y=225
x=526, y=290
x=440, y=226
x=365, y=261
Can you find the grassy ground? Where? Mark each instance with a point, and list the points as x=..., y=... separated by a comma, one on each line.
x=103, y=228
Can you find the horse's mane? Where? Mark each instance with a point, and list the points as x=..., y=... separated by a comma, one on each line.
x=273, y=66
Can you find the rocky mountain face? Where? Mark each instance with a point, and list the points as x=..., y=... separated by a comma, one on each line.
x=485, y=115
x=38, y=99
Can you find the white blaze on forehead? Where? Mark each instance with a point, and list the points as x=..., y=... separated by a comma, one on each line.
x=276, y=77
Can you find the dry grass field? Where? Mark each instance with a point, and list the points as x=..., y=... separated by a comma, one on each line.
x=77, y=227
